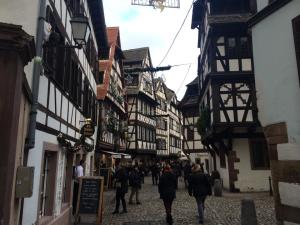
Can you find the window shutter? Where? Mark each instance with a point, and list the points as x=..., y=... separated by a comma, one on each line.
x=296, y=31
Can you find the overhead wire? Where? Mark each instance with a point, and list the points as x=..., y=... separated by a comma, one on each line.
x=180, y=86
x=176, y=36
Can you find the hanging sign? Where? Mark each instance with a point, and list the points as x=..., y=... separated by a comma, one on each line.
x=87, y=130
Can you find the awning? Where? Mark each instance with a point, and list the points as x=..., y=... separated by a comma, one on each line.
x=117, y=155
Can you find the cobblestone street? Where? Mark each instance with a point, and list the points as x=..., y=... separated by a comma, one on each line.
x=219, y=210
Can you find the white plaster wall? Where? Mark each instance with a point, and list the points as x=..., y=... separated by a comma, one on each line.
x=35, y=159
x=14, y=12
x=223, y=172
x=248, y=179
x=276, y=69
x=262, y=4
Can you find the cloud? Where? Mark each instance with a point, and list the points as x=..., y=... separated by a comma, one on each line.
x=143, y=26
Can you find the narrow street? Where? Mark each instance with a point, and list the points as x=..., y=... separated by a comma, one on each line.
x=219, y=210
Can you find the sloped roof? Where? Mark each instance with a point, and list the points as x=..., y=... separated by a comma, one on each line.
x=169, y=93
x=137, y=54
x=189, y=100
x=106, y=65
x=194, y=82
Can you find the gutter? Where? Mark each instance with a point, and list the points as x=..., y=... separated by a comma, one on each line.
x=37, y=70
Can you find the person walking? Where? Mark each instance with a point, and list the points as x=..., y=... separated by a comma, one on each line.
x=121, y=181
x=78, y=172
x=187, y=169
x=167, y=189
x=135, y=181
x=199, y=187
x=155, y=173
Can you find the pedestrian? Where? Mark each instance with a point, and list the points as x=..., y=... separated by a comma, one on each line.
x=167, y=189
x=187, y=169
x=78, y=172
x=199, y=187
x=135, y=181
x=176, y=170
x=121, y=182
x=155, y=173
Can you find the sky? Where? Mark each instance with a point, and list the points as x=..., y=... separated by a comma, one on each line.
x=144, y=26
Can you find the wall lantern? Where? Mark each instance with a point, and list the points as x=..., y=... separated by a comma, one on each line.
x=80, y=30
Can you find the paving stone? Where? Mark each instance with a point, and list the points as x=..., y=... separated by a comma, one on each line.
x=225, y=210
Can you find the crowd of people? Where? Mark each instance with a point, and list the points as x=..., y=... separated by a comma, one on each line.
x=165, y=174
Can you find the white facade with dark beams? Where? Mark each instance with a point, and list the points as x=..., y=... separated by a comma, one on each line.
x=162, y=117
x=141, y=100
x=192, y=145
x=228, y=111
x=66, y=99
x=110, y=92
x=175, y=124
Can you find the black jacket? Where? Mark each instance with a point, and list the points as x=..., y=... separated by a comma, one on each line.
x=199, y=185
x=167, y=186
x=135, y=179
x=121, y=178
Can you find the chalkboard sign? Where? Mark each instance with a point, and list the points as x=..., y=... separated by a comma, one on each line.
x=105, y=173
x=90, y=197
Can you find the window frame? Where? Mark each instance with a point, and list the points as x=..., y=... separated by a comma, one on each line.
x=266, y=159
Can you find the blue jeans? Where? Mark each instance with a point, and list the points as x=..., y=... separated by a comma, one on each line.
x=200, y=205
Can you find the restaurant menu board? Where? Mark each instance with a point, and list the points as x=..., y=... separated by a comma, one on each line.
x=90, y=199
x=89, y=196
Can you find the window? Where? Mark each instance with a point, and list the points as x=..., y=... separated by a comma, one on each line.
x=296, y=31
x=190, y=133
x=259, y=154
x=222, y=159
x=161, y=144
x=75, y=7
x=48, y=179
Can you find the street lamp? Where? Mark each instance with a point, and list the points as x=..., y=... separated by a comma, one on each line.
x=80, y=30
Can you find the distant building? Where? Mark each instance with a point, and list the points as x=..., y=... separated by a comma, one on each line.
x=175, y=125
x=141, y=100
x=168, y=120
x=192, y=146
x=275, y=32
x=111, y=138
x=229, y=124
x=162, y=117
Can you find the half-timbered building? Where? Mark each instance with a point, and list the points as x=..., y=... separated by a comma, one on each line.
x=174, y=122
x=192, y=145
x=110, y=91
x=228, y=121
x=162, y=128
x=141, y=100
x=65, y=79
x=275, y=32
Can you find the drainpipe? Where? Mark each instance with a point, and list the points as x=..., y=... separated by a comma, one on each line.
x=37, y=69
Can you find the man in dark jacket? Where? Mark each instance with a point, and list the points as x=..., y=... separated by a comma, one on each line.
x=187, y=169
x=135, y=181
x=155, y=173
x=167, y=189
x=121, y=179
x=199, y=187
